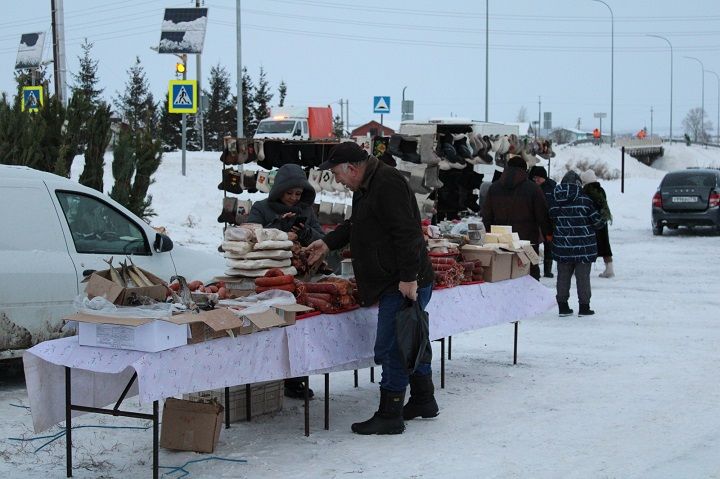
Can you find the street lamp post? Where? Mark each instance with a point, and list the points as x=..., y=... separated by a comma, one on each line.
x=671, y=79
x=702, y=100
x=612, y=66
x=717, y=77
x=403, y=113
x=487, y=56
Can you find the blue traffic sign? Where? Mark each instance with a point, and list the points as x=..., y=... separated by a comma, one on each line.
x=32, y=98
x=381, y=104
x=182, y=96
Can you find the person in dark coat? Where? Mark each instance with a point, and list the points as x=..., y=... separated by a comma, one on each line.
x=575, y=220
x=516, y=201
x=391, y=267
x=592, y=188
x=539, y=175
x=289, y=206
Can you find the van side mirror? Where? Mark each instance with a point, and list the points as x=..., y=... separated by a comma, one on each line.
x=162, y=243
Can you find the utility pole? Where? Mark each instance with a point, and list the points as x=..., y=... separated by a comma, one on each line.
x=487, y=56
x=58, y=31
x=539, y=111
x=342, y=114
x=200, y=114
x=651, y=122
x=183, y=123
x=240, y=130
x=347, y=114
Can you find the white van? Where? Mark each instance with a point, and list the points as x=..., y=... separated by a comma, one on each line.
x=53, y=233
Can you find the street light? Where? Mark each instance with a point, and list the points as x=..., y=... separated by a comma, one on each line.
x=717, y=77
x=702, y=101
x=487, y=56
x=671, y=79
x=612, y=65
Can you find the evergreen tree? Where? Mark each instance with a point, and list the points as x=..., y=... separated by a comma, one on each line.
x=123, y=167
x=24, y=78
x=98, y=127
x=249, y=122
x=261, y=99
x=221, y=117
x=338, y=126
x=136, y=105
x=86, y=80
x=140, y=151
x=282, y=90
x=170, y=129
x=148, y=154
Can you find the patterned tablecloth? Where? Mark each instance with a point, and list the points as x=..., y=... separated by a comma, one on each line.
x=314, y=345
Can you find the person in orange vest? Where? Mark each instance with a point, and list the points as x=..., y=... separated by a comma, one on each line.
x=596, y=136
x=641, y=134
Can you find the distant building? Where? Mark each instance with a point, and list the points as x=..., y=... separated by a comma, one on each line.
x=373, y=128
x=524, y=128
x=570, y=135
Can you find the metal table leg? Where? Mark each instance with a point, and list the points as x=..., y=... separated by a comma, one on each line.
x=449, y=348
x=307, y=405
x=442, y=363
x=372, y=374
x=248, y=402
x=515, y=344
x=355, y=373
x=327, y=401
x=68, y=423
x=227, y=407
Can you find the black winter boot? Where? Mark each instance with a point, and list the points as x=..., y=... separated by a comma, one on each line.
x=389, y=417
x=422, y=398
x=564, y=309
x=585, y=310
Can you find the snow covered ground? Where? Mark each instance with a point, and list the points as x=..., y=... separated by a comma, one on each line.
x=629, y=393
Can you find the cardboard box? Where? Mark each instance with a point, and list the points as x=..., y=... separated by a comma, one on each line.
x=99, y=284
x=222, y=322
x=520, y=265
x=191, y=426
x=139, y=334
x=500, y=229
x=496, y=262
x=265, y=397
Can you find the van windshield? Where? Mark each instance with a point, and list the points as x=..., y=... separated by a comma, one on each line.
x=689, y=178
x=276, y=126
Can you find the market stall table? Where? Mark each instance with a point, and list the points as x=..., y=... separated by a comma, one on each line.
x=65, y=379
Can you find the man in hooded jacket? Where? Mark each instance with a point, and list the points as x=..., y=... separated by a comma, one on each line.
x=575, y=220
x=539, y=175
x=516, y=201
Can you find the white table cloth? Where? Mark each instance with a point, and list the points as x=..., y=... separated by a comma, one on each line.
x=314, y=345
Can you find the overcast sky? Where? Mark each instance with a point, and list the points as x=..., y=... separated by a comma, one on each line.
x=558, y=50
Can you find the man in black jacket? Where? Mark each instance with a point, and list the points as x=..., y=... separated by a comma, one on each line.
x=516, y=201
x=391, y=266
x=539, y=175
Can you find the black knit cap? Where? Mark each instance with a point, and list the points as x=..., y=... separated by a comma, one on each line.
x=537, y=171
x=346, y=152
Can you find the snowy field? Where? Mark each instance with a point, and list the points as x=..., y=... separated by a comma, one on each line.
x=631, y=392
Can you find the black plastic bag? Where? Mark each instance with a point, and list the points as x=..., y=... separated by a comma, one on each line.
x=412, y=328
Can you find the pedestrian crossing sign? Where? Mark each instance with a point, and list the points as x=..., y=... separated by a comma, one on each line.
x=182, y=96
x=32, y=98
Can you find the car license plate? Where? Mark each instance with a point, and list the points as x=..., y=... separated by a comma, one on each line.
x=684, y=199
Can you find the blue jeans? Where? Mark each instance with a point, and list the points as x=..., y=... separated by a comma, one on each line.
x=394, y=374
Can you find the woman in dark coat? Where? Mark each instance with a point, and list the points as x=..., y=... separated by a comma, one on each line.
x=289, y=206
x=592, y=188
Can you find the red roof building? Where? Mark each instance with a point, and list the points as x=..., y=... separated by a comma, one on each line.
x=373, y=128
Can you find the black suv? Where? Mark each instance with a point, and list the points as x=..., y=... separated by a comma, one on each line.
x=687, y=198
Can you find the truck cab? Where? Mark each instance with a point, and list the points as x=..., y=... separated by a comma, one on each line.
x=283, y=128
x=55, y=232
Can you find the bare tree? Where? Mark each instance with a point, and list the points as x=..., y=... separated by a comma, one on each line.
x=696, y=126
x=522, y=115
